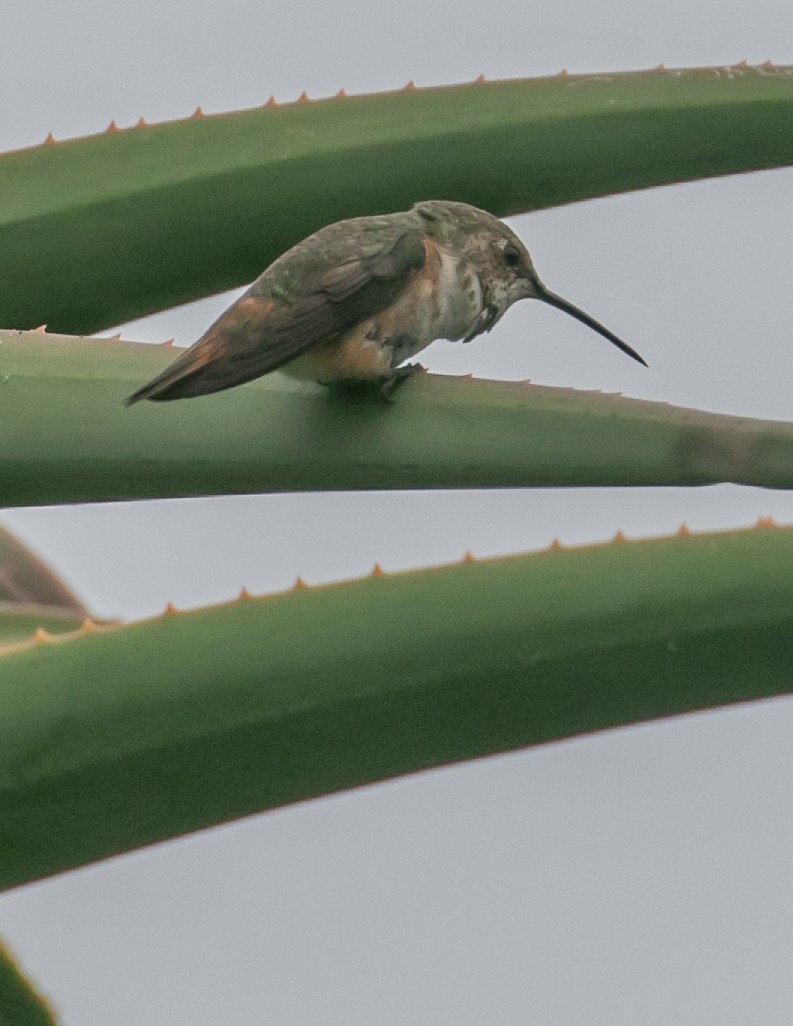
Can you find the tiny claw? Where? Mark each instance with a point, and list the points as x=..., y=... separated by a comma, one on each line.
x=377, y=571
x=303, y=98
x=619, y=537
x=397, y=379
x=271, y=103
x=468, y=557
x=50, y=140
x=41, y=330
x=244, y=595
x=480, y=80
x=299, y=585
x=341, y=94
x=197, y=113
x=41, y=637
x=410, y=87
x=555, y=546
x=683, y=531
x=141, y=123
x=112, y=127
x=88, y=626
x=765, y=523
x=564, y=73
x=170, y=610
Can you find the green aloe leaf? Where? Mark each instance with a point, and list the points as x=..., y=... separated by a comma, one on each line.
x=66, y=437
x=101, y=230
x=130, y=735
x=19, y=1003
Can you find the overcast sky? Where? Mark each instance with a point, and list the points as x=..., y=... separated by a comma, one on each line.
x=638, y=876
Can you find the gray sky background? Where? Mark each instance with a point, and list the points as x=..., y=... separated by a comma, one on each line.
x=638, y=876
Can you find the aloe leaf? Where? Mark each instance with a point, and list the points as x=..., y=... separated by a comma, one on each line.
x=66, y=438
x=19, y=1003
x=130, y=222
x=124, y=737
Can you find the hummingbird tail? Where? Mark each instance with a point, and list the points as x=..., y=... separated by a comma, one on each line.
x=175, y=382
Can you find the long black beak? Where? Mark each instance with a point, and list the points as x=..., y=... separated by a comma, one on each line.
x=561, y=304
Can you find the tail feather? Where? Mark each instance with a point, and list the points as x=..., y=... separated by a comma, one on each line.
x=175, y=382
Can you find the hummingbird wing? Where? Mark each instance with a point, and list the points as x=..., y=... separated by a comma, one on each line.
x=343, y=274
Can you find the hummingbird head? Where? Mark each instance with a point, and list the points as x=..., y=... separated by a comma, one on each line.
x=502, y=262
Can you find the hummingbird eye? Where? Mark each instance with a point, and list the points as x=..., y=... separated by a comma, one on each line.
x=511, y=255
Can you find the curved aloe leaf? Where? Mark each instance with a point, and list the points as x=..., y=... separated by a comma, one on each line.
x=129, y=222
x=19, y=1003
x=66, y=438
x=124, y=737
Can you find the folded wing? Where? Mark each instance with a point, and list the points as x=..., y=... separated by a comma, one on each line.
x=343, y=274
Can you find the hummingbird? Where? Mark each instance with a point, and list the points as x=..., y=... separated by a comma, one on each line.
x=352, y=302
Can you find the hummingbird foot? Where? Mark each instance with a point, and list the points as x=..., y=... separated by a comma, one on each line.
x=396, y=379
x=379, y=389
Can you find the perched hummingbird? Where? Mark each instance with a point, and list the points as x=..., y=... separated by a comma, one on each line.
x=355, y=300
